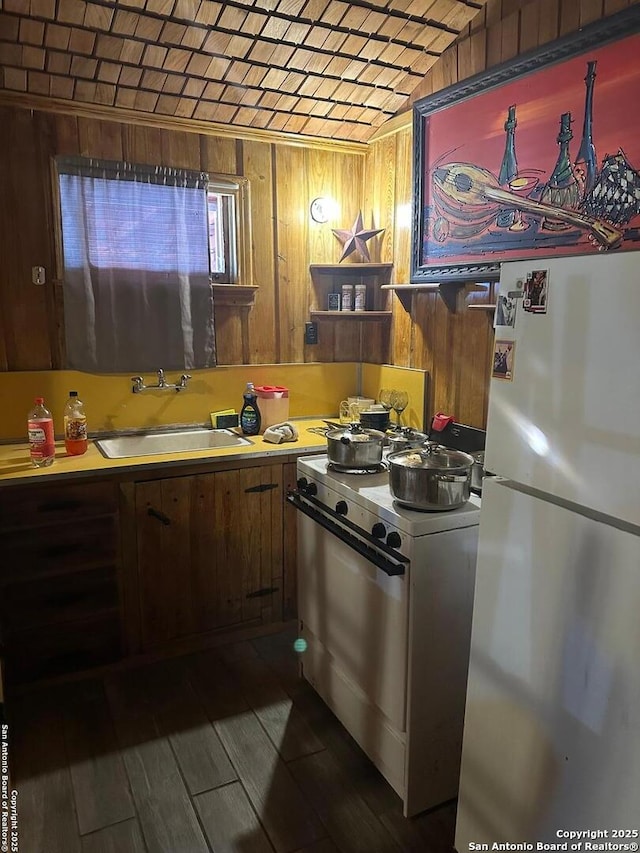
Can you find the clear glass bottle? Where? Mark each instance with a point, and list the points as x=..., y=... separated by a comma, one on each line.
x=42, y=443
x=75, y=426
x=250, y=413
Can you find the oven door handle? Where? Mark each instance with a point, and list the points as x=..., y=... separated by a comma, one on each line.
x=390, y=567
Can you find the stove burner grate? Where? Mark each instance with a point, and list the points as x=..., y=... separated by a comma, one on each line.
x=365, y=469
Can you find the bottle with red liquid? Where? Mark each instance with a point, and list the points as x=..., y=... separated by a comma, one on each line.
x=75, y=426
x=42, y=443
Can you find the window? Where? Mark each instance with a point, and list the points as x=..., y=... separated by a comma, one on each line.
x=141, y=247
x=229, y=230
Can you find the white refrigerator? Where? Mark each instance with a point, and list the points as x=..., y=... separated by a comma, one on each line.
x=552, y=722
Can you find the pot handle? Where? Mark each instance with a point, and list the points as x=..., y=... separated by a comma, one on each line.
x=452, y=478
x=345, y=439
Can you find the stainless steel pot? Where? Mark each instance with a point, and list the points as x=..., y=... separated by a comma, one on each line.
x=477, y=471
x=405, y=438
x=430, y=478
x=355, y=448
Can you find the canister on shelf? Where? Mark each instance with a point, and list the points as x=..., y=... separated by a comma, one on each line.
x=347, y=297
x=360, y=302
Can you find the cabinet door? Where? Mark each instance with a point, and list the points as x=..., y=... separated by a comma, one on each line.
x=209, y=552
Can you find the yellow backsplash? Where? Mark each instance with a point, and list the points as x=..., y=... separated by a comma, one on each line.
x=409, y=379
x=314, y=390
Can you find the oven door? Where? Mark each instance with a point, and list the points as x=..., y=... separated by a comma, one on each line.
x=354, y=615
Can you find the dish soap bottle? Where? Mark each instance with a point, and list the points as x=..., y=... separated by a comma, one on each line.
x=42, y=443
x=75, y=426
x=250, y=414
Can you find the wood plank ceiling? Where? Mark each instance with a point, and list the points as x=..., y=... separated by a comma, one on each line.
x=320, y=68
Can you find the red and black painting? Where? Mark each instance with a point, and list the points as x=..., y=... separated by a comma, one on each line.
x=543, y=163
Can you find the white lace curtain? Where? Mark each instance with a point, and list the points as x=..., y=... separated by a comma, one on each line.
x=137, y=293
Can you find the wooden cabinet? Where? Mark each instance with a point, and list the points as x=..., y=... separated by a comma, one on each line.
x=209, y=552
x=329, y=278
x=59, y=584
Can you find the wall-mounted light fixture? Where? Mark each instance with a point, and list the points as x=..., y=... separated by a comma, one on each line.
x=322, y=209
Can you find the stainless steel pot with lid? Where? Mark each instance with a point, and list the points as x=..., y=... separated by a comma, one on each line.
x=355, y=448
x=431, y=477
x=405, y=438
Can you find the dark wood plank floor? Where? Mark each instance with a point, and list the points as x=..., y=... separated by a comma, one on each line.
x=224, y=751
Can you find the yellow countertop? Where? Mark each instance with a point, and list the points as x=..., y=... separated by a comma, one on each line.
x=16, y=467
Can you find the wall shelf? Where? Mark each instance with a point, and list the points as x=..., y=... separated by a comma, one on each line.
x=330, y=278
x=351, y=315
x=242, y=295
x=453, y=293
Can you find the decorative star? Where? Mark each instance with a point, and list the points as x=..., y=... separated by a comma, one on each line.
x=356, y=239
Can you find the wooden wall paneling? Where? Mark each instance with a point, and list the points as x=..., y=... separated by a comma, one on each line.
x=24, y=229
x=612, y=6
x=347, y=340
x=478, y=51
x=325, y=180
x=423, y=315
x=590, y=10
x=510, y=36
x=101, y=139
x=549, y=25
x=180, y=149
x=257, y=167
x=141, y=144
x=464, y=58
x=494, y=44
x=401, y=329
x=229, y=325
x=569, y=16
x=325, y=349
x=470, y=333
x=67, y=134
x=218, y=155
x=292, y=231
x=529, y=24
x=375, y=342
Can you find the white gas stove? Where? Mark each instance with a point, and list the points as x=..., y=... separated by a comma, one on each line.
x=385, y=601
x=372, y=493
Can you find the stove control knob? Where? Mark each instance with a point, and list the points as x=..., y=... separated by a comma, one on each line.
x=311, y=489
x=302, y=483
x=378, y=530
x=393, y=540
x=342, y=508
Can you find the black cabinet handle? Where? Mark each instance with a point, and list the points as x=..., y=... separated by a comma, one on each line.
x=259, y=593
x=155, y=513
x=263, y=487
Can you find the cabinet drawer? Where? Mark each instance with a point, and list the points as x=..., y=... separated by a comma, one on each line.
x=35, y=505
x=62, y=548
x=31, y=655
x=56, y=600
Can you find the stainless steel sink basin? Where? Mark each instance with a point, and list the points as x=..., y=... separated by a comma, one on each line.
x=180, y=441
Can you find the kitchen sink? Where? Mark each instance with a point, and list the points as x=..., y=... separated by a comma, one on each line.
x=148, y=444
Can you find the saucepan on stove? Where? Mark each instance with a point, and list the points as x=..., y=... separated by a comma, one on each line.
x=405, y=438
x=355, y=448
x=431, y=477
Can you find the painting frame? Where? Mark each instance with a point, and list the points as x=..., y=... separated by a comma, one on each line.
x=430, y=263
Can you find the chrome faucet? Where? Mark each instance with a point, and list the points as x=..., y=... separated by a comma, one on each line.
x=139, y=386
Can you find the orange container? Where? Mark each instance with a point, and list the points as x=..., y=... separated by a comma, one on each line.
x=273, y=402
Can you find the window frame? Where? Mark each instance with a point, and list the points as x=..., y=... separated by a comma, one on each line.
x=239, y=187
